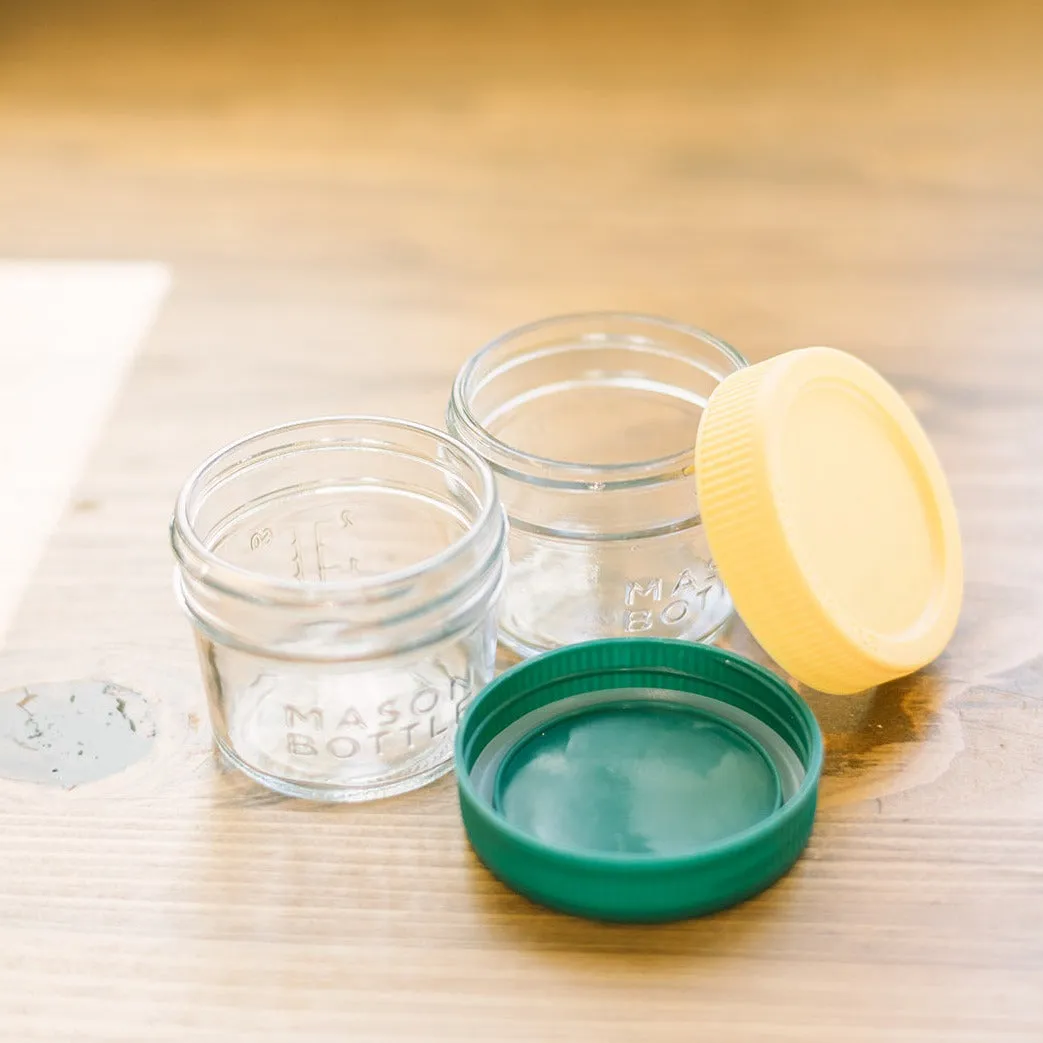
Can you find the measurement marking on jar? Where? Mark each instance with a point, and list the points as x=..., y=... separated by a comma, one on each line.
x=319, y=562
x=332, y=546
x=298, y=561
x=261, y=538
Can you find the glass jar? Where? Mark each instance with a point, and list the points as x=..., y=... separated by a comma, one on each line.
x=589, y=423
x=342, y=576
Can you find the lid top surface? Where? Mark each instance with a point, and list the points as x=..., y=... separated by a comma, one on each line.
x=857, y=506
x=830, y=519
x=640, y=778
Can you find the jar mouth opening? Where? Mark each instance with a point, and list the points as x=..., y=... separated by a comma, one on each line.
x=196, y=558
x=545, y=470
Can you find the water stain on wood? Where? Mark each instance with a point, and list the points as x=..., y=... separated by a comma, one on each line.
x=860, y=728
x=878, y=742
x=71, y=733
x=899, y=737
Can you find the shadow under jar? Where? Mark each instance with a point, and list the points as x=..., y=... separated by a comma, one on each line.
x=589, y=423
x=342, y=576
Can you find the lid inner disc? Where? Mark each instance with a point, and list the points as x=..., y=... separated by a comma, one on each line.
x=642, y=777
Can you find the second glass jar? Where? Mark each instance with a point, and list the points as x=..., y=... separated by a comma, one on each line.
x=342, y=577
x=589, y=423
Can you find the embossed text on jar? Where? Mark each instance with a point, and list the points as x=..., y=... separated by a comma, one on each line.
x=342, y=577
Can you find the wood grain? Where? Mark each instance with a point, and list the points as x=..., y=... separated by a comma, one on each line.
x=352, y=198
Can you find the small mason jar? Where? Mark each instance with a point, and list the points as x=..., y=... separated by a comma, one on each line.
x=589, y=423
x=342, y=576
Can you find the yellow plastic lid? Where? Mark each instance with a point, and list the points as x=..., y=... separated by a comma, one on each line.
x=830, y=519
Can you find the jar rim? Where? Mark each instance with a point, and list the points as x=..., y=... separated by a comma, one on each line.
x=197, y=559
x=545, y=471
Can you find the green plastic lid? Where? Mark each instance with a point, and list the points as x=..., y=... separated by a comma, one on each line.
x=638, y=779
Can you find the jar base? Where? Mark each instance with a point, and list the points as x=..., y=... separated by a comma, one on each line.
x=332, y=793
x=521, y=649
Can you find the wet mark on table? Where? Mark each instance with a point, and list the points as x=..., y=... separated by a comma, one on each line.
x=899, y=736
x=1024, y=679
x=70, y=733
x=859, y=729
x=902, y=736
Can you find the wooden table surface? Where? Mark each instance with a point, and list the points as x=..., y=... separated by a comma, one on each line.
x=351, y=198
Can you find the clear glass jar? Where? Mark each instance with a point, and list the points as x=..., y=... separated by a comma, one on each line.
x=589, y=423
x=342, y=576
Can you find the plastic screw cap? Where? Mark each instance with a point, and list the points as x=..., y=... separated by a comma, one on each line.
x=830, y=519
x=638, y=779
